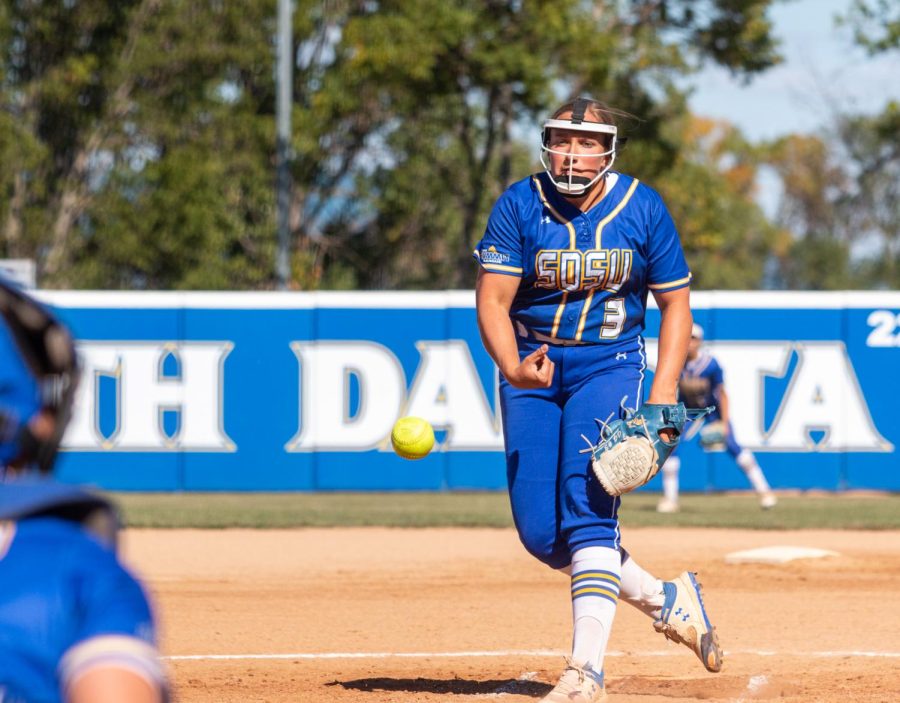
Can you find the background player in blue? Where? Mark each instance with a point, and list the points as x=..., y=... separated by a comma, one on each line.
x=702, y=383
x=566, y=263
x=75, y=626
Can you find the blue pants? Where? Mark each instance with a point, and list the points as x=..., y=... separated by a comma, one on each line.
x=557, y=503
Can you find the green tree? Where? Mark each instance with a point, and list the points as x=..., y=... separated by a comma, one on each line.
x=140, y=141
x=483, y=74
x=875, y=23
x=873, y=150
x=711, y=192
x=186, y=200
x=59, y=95
x=841, y=201
x=841, y=189
x=818, y=257
x=138, y=136
x=871, y=206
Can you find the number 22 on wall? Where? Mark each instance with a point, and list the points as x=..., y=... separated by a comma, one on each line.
x=886, y=332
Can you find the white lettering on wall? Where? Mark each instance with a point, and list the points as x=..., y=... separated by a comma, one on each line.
x=143, y=394
x=823, y=396
x=746, y=366
x=448, y=393
x=327, y=370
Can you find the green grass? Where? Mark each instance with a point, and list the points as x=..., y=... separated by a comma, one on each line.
x=270, y=510
x=850, y=512
x=314, y=509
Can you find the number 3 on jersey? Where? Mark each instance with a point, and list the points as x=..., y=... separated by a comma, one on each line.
x=571, y=270
x=613, y=318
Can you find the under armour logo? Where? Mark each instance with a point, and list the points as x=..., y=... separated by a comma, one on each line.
x=546, y=219
x=621, y=355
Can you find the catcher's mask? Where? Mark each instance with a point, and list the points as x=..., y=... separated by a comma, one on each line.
x=38, y=375
x=568, y=182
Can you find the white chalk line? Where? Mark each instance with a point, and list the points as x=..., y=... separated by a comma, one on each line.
x=515, y=653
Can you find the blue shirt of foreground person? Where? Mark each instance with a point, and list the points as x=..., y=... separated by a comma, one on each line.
x=75, y=626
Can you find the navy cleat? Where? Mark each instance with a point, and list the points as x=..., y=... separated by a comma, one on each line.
x=684, y=620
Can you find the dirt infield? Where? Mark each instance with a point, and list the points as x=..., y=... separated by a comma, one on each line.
x=476, y=618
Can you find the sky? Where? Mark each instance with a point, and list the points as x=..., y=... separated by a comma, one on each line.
x=822, y=67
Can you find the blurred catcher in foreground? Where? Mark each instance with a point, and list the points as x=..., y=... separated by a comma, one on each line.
x=75, y=626
x=702, y=383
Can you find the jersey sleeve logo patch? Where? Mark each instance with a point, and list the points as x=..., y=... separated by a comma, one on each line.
x=492, y=256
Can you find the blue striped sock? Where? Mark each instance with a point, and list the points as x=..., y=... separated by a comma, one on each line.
x=596, y=573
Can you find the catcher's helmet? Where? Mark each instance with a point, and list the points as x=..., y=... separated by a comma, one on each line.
x=569, y=183
x=38, y=375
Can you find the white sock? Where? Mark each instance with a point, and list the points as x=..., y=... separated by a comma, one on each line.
x=670, y=478
x=640, y=588
x=596, y=572
x=747, y=462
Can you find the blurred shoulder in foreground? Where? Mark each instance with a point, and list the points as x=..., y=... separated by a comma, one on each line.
x=75, y=625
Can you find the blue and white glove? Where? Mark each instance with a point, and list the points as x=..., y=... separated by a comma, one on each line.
x=631, y=450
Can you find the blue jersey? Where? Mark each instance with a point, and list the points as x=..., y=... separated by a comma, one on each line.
x=585, y=275
x=66, y=606
x=698, y=387
x=700, y=381
x=21, y=396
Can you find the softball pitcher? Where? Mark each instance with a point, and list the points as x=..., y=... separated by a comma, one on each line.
x=566, y=263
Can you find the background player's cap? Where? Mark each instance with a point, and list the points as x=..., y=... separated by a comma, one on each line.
x=697, y=332
x=38, y=374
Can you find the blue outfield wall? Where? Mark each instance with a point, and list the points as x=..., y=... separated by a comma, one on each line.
x=298, y=391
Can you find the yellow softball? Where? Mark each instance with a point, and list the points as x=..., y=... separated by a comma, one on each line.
x=412, y=437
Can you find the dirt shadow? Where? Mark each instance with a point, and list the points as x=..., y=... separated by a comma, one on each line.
x=463, y=687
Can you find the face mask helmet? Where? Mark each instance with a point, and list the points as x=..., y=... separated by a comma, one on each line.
x=569, y=183
x=38, y=376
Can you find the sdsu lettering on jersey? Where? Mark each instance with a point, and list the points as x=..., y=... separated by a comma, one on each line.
x=585, y=275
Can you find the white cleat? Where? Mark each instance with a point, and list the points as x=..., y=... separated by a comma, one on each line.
x=767, y=501
x=577, y=685
x=667, y=506
x=684, y=620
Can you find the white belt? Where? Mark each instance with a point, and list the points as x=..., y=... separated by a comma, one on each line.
x=526, y=333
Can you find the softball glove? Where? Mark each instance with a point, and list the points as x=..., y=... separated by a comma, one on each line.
x=631, y=450
x=712, y=435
